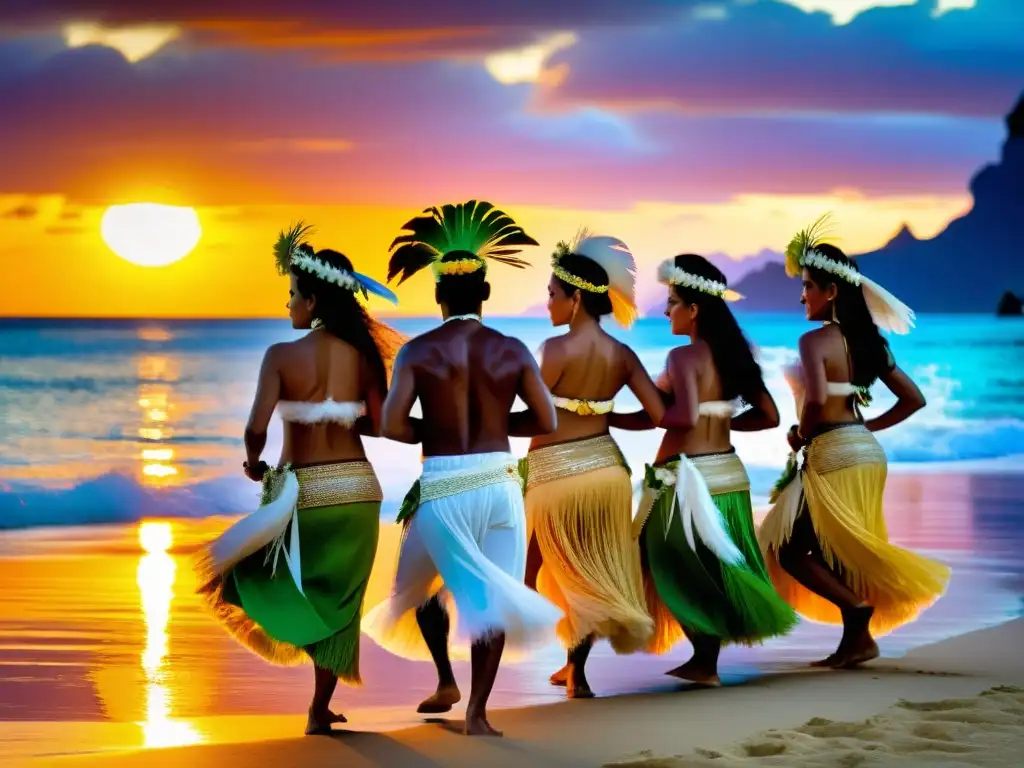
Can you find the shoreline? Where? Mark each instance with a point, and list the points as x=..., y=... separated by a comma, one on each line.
x=631, y=730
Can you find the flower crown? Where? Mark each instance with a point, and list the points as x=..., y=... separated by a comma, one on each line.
x=818, y=260
x=670, y=274
x=457, y=267
x=889, y=313
x=289, y=252
x=573, y=280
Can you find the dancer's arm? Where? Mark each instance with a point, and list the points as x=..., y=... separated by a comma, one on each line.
x=539, y=418
x=268, y=392
x=682, y=374
x=397, y=424
x=525, y=423
x=909, y=400
x=763, y=414
x=369, y=425
x=652, y=400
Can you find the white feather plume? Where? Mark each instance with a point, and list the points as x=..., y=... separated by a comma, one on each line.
x=888, y=312
x=617, y=260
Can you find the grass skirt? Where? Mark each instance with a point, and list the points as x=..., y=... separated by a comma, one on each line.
x=845, y=507
x=695, y=592
x=269, y=615
x=591, y=564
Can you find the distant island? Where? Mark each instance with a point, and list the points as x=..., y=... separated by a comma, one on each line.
x=965, y=268
x=1010, y=306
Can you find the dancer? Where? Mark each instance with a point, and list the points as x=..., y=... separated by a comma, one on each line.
x=704, y=574
x=468, y=525
x=825, y=539
x=288, y=580
x=579, y=506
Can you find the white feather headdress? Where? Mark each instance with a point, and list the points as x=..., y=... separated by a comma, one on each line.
x=615, y=258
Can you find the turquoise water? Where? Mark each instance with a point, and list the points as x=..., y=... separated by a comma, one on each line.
x=106, y=421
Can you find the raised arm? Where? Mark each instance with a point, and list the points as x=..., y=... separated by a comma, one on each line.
x=762, y=414
x=539, y=418
x=909, y=400
x=268, y=392
x=397, y=424
x=528, y=423
x=652, y=400
x=682, y=374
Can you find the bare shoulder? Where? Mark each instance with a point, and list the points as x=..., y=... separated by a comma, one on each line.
x=685, y=355
x=814, y=340
x=555, y=348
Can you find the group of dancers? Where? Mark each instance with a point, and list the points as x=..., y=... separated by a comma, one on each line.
x=501, y=555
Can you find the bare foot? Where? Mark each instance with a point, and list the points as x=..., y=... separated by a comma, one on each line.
x=695, y=672
x=444, y=698
x=320, y=722
x=561, y=677
x=861, y=652
x=477, y=725
x=828, y=661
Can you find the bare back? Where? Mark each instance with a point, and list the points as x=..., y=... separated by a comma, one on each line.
x=589, y=364
x=691, y=377
x=825, y=360
x=466, y=377
x=313, y=369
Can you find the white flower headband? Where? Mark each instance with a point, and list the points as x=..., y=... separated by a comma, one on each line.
x=324, y=271
x=670, y=274
x=889, y=313
x=288, y=252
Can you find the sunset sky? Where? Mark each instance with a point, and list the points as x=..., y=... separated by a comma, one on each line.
x=710, y=126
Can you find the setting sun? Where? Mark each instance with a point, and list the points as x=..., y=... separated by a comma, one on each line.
x=150, y=234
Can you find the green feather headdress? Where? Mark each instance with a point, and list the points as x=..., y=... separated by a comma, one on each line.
x=806, y=240
x=288, y=242
x=475, y=227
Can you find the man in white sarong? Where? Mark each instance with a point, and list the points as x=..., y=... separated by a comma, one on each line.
x=468, y=531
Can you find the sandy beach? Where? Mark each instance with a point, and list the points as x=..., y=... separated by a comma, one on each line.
x=107, y=658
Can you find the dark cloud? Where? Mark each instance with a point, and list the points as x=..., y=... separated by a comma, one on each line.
x=770, y=57
x=392, y=29
x=86, y=123
x=20, y=212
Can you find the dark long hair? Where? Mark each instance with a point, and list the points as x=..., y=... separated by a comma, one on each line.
x=463, y=293
x=597, y=305
x=737, y=369
x=869, y=351
x=343, y=316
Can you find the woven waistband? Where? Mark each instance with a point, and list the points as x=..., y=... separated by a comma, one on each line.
x=723, y=472
x=842, y=448
x=554, y=462
x=348, y=482
x=441, y=485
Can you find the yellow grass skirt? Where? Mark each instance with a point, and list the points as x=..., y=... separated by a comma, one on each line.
x=579, y=508
x=841, y=488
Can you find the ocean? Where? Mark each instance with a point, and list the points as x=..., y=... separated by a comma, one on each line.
x=119, y=420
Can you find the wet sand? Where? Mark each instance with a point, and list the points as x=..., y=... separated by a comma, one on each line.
x=104, y=651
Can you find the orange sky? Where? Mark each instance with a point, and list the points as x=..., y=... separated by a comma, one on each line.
x=231, y=272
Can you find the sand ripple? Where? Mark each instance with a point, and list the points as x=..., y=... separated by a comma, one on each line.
x=986, y=730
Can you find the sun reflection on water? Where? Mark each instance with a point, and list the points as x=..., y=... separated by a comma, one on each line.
x=156, y=371
x=155, y=578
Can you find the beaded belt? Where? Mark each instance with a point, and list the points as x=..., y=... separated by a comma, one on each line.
x=842, y=448
x=554, y=462
x=440, y=485
x=348, y=482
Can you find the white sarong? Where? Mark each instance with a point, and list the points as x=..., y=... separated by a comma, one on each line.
x=473, y=543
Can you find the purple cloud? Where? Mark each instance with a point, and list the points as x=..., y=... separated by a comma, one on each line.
x=770, y=57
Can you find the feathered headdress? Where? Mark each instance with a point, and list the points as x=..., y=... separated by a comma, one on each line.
x=615, y=258
x=292, y=250
x=889, y=313
x=476, y=227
